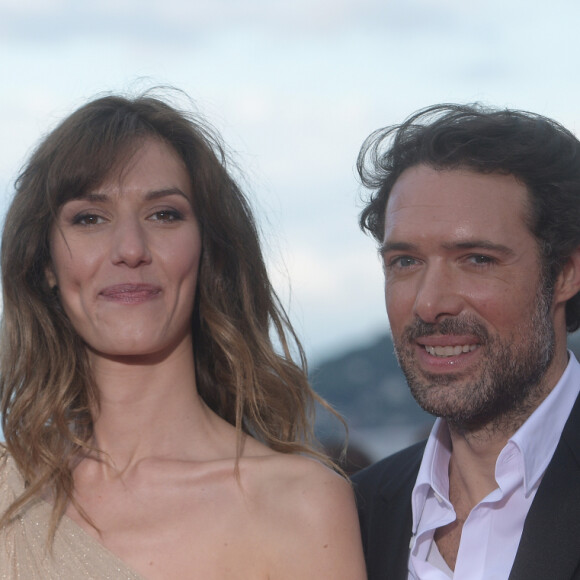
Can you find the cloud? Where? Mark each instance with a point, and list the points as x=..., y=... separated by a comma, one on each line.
x=175, y=21
x=294, y=87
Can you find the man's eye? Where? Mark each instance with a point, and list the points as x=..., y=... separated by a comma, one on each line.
x=481, y=260
x=402, y=262
x=405, y=262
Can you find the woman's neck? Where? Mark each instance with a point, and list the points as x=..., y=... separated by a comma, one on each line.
x=148, y=408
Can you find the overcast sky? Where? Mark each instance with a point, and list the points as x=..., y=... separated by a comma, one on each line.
x=294, y=88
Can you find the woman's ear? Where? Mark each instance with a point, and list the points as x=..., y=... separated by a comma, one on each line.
x=568, y=281
x=50, y=276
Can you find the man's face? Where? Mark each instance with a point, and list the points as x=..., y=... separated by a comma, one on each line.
x=470, y=316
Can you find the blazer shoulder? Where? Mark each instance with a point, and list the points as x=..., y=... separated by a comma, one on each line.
x=383, y=493
x=390, y=473
x=571, y=432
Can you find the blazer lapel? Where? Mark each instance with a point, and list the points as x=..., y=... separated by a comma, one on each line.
x=550, y=544
x=384, y=498
x=395, y=535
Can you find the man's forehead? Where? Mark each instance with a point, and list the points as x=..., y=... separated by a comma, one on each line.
x=452, y=200
x=424, y=185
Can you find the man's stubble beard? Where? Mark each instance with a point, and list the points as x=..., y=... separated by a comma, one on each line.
x=506, y=387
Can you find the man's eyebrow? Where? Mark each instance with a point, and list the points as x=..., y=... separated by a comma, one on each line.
x=480, y=245
x=465, y=245
x=396, y=247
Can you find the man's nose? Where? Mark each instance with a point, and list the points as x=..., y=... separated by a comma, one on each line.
x=129, y=243
x=438, y=294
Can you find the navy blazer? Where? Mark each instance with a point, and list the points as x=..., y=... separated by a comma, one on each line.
x=550, y=545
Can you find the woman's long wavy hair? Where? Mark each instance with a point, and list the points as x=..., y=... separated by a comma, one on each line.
x=245, y=347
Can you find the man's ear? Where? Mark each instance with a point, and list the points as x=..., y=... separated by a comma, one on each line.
x=568, y=281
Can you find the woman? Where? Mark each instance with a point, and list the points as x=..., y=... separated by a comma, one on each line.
x=152, y=428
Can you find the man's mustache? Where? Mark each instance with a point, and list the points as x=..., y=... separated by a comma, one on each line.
x=460, y=326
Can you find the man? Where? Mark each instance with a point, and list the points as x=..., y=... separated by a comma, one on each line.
x=478, y=215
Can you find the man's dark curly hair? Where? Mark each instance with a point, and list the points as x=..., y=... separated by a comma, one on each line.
x=537, y=151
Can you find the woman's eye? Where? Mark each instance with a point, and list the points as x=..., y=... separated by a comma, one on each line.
x=87, y=219
x=167, y=215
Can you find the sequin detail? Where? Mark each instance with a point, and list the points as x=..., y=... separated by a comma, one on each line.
x=75, y=554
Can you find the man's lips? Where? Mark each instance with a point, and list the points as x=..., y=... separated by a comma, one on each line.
x=130, y=292
x=445, y=351
x=448, y=346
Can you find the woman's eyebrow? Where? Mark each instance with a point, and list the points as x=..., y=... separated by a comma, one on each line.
x=165, y=192
x=96, y=196
x=91, y=196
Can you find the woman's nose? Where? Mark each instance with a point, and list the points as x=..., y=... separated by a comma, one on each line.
x=129, y=243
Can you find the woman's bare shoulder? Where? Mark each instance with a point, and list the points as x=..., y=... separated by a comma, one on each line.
x=307, y=515
x=291, y=473
x=297, y=488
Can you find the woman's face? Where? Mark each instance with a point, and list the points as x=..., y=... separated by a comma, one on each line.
x=125, y=257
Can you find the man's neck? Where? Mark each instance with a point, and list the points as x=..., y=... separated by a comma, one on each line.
x=474, y=454
x=476, y=447
x=471, y=478
x=472, y=465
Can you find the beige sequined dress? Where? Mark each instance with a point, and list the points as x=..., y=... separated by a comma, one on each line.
x=75, y=555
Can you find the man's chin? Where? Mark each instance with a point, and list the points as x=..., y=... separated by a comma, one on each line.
x=465, y=413
x=450, y=398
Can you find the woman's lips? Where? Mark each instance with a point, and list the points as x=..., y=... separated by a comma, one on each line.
x=130, y=293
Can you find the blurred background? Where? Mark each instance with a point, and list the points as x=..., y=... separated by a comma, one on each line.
x=294, y=88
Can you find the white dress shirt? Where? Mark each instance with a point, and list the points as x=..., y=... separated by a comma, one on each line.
x=492, y=531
